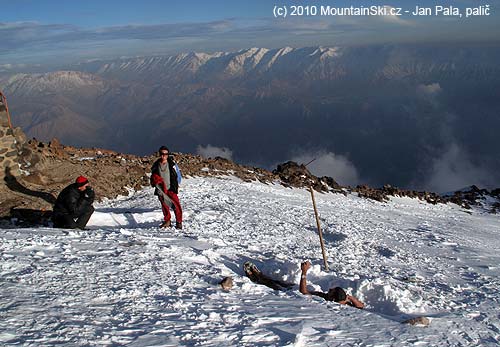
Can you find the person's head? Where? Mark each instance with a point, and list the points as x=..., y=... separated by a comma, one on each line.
x=82, y=183
x=337, y=294
x=163, y=152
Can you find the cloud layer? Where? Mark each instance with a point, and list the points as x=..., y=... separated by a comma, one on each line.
x=455, y=170
x=210, y=151
x=34, y=41
x=330, y=164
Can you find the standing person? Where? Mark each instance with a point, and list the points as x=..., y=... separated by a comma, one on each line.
x=336, y=294
x=73, y=206
x=164, y=178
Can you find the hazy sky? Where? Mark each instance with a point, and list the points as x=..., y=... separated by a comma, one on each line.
x=57, y=31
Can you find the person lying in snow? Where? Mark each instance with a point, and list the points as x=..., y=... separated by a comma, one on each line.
x=336, y=294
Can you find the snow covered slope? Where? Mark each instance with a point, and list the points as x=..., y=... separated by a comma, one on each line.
x=124, y=282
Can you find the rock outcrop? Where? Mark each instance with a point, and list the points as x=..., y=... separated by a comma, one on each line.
x=11, y=140
x=292, y=174
x=383, y=194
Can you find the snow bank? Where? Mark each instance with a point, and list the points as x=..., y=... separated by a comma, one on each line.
x=126, y=282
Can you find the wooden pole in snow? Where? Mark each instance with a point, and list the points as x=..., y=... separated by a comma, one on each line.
x=319, y=229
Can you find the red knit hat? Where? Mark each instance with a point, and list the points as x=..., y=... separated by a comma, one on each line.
x=81, y=181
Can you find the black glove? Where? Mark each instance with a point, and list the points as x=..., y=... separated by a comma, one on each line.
x=89, y=194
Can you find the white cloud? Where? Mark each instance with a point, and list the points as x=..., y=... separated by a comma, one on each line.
x=330, y=164
x=394, y=19
x=210, y=151
x=429, y=89
x=454, y=170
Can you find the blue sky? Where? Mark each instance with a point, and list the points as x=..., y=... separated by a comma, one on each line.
x=92, y=13
x=57, y=32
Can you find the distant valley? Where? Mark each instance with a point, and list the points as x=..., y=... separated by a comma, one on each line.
x=412, y=116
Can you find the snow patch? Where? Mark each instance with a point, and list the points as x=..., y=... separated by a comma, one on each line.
x=124, y=281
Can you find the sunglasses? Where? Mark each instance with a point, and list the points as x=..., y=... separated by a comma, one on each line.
x=163, y=153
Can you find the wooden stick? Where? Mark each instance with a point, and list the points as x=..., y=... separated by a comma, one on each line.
x=310, y=162
x=319, y=230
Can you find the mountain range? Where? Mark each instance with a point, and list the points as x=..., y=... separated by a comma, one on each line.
x=421, y=116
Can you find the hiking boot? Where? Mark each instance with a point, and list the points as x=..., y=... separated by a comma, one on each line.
x=251, y=269
x=166, y=224
x=178, y=225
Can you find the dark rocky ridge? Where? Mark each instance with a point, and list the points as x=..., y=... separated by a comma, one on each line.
x=295, y=175
x=49, y=167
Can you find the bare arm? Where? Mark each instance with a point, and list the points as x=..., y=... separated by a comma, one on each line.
x=303, y=280
x=355, y=301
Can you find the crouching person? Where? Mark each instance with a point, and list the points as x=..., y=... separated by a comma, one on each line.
x=73, y=206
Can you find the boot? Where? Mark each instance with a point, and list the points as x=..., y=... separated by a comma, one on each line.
x=166, y=224
x=178, y=225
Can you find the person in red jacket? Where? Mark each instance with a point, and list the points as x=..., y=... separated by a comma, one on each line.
x=164, y=177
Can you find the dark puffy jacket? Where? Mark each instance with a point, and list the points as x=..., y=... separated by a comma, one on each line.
x=73, y=202
x=156, y=177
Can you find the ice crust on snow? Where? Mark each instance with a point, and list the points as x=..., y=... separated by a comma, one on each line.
x=126, y=282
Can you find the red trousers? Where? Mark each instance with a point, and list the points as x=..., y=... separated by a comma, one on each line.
x=177, y=207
